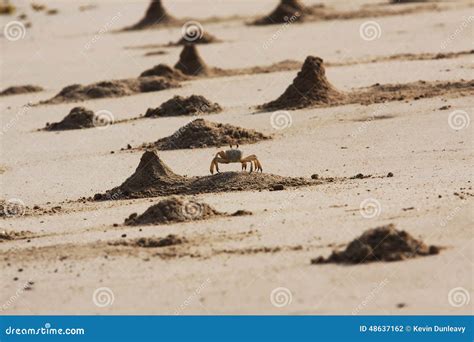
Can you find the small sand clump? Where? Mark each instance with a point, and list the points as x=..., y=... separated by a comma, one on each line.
x=201, y=133
x=154, y=178
x=383, y=243
x=191, y=63
x=171, y=210
x=23, y=89
x=12, y=235
x=178, y=105
x=78, y=118
x=309, y=88
x=165, y=71
x=152, y=242
x=155, y=15
x=115, y=88
x=287, y=11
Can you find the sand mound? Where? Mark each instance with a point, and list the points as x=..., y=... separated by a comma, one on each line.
x=78, y=117
x=380, y=244
x=115, y=88
x=286, y=11
x=165, y=71
x=152, y=173
x=309, y=88
x=190, y=63
x=202, y=38
x=172, y=210
x=153, y=178
x=178, y=105
x=201, y=133
x=23, y=89
x=155, y=15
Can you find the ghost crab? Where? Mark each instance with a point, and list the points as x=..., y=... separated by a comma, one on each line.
x=234, y=155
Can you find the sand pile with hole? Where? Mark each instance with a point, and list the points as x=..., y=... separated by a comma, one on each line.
x=172, y=210
x=191, y=63
x=23, y=89
x=114, y=88
x=154, y=178
x=178, y=106
x=287, y=11
x=155, y=15
x=78, y=118
x=383, y=243
x=201, y=133
x=309, y=88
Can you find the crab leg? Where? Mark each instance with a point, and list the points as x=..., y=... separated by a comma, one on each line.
x=219, y=158
x=250, y=159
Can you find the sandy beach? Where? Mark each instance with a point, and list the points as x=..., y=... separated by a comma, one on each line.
x=393, y=145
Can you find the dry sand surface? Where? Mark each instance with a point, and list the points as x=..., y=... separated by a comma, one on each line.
x=369, y=146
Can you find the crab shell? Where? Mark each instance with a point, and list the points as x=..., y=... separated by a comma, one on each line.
x=234, y=156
